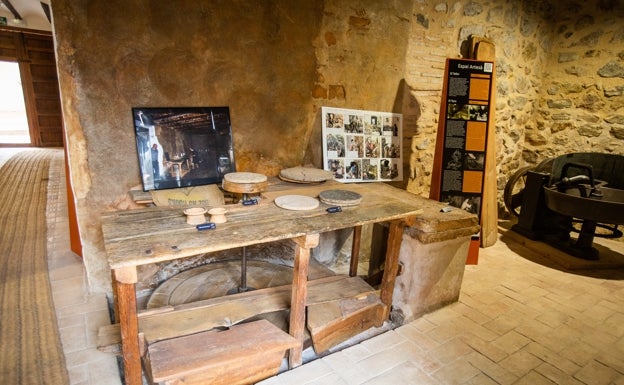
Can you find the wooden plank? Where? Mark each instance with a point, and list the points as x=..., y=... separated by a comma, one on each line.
x=391, y=265
x=355, y=251
x=298, y=296
x=224, y=311
x=486, y=51
x=129, y=333
x=483, y=49
x=228, y=357
x=334, y=322
x=152, y=235
x=257, y=370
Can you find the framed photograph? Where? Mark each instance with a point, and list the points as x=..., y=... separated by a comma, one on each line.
x=183, y=146
x=362, y=146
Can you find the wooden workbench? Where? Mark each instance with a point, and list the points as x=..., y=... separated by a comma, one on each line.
x=145, y=236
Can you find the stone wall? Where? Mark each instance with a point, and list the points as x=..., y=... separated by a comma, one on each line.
x=275, y=63
x=559, y=78
x=581, y=97
x=440, y=30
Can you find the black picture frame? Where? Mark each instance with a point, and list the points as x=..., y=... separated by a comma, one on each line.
x=183, y=146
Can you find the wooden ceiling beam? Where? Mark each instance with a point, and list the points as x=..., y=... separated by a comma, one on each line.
x=46, y=10
x=12, y=9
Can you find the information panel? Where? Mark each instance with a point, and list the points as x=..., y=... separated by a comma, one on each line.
x=464, y=136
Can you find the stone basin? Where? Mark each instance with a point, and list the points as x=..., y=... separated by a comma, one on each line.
x=608, y=209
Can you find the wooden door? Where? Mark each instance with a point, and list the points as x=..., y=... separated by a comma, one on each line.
x=34, y=52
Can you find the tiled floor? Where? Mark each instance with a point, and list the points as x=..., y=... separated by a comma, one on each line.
x=519, y=320
x=79, y=313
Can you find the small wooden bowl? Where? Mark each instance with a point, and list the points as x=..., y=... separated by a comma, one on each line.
x=195, y=215
x=217, y=215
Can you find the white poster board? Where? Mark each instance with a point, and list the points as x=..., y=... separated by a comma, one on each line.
x=362, y=146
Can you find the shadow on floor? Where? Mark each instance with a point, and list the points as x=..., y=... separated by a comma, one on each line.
x=609, y=266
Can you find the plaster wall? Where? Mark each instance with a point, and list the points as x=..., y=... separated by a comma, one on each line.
x=275, y=63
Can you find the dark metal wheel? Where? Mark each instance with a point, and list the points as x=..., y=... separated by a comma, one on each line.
x=514, y=190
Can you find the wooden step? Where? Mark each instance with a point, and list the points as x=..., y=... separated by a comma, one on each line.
x=243, y=354
x=176, y=321
x=332, y=323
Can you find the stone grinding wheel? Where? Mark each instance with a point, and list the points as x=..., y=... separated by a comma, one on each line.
x=340, y=197
x=305, y=175
x=296, y=202
x=244, y=182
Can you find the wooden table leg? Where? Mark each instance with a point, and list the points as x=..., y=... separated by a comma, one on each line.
x=299, y=293
x=391, y=266
x=115, y=301
x=355, y=251
x=125, y=280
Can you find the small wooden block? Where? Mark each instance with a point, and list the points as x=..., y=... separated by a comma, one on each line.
x=141, y=197
x=244, y=354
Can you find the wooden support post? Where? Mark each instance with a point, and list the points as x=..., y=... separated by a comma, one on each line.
x=299, y=293
x=355, y=251
x=391, y=266
x=124, y=286
x=485, y=50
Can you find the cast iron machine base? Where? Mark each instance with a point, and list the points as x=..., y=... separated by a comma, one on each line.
x=551, y=206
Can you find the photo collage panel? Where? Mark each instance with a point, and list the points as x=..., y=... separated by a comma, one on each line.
x=362, y=146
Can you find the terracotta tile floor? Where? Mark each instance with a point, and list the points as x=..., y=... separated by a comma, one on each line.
x=79, y=313
x=520, y=320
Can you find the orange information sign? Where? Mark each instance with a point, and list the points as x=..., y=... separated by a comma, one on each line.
x=461, y=146
x=459, y=172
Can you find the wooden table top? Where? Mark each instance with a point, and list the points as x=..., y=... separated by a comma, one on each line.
x=157, y=234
